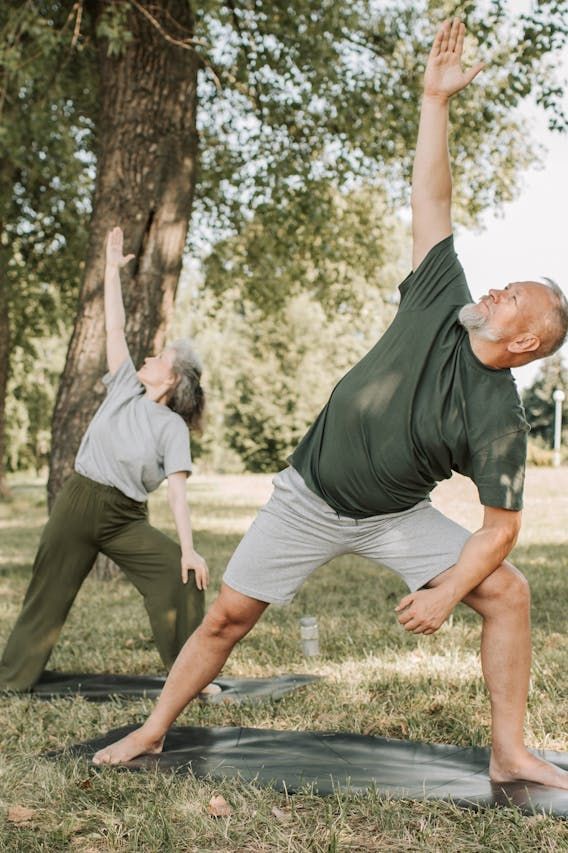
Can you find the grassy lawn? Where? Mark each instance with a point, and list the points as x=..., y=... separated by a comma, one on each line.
x=378, y=680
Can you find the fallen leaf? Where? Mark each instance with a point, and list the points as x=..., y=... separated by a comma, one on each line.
x=219, y=807
x=19, y=814
x=85, y=784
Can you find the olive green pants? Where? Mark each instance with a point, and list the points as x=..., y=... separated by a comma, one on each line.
x=88, y=517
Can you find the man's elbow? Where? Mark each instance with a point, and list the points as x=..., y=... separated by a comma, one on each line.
x=507, y=534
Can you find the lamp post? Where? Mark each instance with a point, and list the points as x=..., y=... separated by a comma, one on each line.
x=558, y=396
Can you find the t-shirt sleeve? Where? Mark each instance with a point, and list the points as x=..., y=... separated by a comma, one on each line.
x=438, y=278
x=124, y=381
x=498, y=471
x=177, y=454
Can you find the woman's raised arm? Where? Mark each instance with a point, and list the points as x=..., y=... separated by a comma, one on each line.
x=116, y=347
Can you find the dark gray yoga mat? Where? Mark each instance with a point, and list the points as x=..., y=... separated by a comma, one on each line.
x=99, y=688
x=328, y=761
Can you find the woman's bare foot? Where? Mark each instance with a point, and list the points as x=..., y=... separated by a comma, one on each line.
x=526, y=767
x=138, y=742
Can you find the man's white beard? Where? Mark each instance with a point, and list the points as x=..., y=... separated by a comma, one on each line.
x=474, y=319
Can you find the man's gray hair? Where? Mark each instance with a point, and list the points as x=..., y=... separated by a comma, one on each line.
x=188, y=399
x=553, y=324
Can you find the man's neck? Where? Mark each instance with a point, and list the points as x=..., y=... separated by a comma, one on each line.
x=489, y=353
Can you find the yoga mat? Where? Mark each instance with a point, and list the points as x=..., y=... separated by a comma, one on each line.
x=99, y=688
x=328, y=761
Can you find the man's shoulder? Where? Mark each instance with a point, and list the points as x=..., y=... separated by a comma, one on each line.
x=438, y=279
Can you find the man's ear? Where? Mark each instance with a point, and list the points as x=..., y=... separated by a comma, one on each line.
x=527, y=342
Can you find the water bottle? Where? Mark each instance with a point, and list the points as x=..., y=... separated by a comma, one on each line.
x=310, y=636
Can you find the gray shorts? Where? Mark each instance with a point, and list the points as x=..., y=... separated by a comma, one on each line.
x=296, y=532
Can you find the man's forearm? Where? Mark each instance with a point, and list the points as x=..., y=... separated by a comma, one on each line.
x=483, y=552
x=114, y=307
x=431, y=175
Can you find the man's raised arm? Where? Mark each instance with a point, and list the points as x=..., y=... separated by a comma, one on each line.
x=431, y=175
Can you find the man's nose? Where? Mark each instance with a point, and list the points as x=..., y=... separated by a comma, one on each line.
x=495, y=294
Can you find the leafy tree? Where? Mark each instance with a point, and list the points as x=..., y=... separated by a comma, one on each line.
x=281, y=100
x=145, y=71
x=538, y=402
x=35, y=372
x=45, y=188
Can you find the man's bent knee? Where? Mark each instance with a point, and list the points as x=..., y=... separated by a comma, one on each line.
x=232, y=615
x=505, y=586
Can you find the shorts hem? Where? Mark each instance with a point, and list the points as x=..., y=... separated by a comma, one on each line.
x=429, y=577
x=267, y=599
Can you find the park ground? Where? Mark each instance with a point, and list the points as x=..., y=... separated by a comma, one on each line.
x=377, y=680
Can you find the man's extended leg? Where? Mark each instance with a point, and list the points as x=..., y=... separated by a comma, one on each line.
x=230, y=617
x=292, y=535
x=503, y=601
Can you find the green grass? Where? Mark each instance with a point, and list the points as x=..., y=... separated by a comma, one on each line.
x=378, y=680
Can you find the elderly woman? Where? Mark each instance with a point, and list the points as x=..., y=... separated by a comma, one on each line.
x=138, y=437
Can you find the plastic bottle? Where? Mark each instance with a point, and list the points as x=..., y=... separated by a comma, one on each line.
x=310, y=636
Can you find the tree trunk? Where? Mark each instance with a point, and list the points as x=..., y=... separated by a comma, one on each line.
x=5, y=345
x=145, y=182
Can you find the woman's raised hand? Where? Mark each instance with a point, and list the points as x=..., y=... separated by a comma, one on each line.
x=444, y=75
x=114, y=247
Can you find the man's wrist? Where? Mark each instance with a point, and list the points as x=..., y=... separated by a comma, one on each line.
x=435, y=98
x=451, y=589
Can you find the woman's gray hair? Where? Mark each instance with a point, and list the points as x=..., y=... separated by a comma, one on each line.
x=188, y=399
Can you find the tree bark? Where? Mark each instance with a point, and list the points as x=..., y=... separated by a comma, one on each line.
x=5, y=347
x=145, y=182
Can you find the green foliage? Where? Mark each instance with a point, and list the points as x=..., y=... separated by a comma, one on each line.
x=46, y=181
x=538, y=402
x=46, y=177
x=31, y=394
x=112, y=27
x=285, y=375
x=313, y=96
x=329, y=244
x=268, y=369
x=307, y=113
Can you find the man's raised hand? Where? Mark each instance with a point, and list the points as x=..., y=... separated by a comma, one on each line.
x=444, y=75
x=114, y=247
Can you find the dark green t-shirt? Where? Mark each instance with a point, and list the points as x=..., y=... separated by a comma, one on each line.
x=418, y=406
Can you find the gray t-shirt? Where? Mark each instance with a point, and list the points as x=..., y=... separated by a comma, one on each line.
x=132, y=443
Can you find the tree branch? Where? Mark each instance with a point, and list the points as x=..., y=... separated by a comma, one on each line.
x=186, y=43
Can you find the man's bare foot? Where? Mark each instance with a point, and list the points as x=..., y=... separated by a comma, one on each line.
x=138, y=742
x=526, y=767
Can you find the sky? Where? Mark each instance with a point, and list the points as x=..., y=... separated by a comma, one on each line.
x=530, y=239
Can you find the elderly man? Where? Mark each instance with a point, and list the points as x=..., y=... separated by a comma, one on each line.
x=435, y=395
